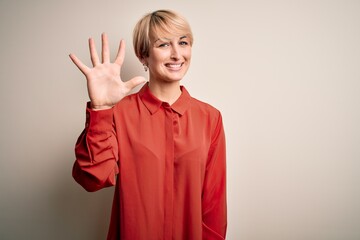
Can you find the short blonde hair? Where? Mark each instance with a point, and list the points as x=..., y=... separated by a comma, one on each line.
x=155, y=25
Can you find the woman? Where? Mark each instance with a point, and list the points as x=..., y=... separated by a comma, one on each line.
x=163, y=149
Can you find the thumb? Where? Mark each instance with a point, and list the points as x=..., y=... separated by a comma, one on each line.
x=132, y=83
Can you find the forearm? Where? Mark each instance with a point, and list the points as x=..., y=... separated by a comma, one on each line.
x=96, y=152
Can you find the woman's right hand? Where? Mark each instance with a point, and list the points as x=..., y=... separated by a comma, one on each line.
x=104, y=84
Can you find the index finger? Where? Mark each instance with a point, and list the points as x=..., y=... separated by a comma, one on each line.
x=121, y=53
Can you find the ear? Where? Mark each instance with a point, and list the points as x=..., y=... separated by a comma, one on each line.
x=143, y=61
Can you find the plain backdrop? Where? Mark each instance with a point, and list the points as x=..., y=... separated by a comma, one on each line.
x=284, y=74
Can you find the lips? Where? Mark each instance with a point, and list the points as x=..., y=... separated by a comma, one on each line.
x=173, y=65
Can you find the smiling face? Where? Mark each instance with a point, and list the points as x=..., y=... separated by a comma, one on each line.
x=169, y=58
x=162, y=41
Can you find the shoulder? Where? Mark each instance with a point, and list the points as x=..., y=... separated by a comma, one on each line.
x=127, y=106
x=209, y=116
x=204, y=107
x=127, y=101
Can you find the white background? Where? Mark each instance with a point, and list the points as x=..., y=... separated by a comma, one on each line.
x=285, y=75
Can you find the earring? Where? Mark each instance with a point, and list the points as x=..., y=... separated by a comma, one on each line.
x=145, y=67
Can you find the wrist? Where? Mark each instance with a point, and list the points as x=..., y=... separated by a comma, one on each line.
x=100, y=107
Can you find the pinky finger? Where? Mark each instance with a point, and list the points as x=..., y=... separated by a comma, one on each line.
x=82, y=67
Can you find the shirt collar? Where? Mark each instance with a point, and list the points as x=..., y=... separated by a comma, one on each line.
x=153, y=104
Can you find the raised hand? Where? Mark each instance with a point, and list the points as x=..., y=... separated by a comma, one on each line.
x=104, y=83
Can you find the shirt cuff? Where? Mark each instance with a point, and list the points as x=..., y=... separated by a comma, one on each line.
x=99, y=120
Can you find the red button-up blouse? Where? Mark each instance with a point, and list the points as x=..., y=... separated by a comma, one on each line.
x=167, y=162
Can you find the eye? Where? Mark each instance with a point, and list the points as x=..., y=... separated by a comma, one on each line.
x=164, y=45
x=183, y=43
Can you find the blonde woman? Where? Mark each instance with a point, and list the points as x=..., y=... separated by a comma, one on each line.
x=163, y=149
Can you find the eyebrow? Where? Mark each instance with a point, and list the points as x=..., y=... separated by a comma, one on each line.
x=168, y=39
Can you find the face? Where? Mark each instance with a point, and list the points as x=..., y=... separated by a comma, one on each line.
x=169, y=58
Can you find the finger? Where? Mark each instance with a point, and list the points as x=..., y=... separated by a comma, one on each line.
x=105, y=48
x=132, y=83
x=121, y=53
x=93, y=53
x=82, y=67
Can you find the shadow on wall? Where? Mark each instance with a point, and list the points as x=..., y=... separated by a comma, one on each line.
x=78, y=214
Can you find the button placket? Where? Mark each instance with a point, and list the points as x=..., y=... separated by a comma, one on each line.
x=169, y=172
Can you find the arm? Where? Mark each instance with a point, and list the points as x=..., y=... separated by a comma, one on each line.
x=96, y=149
x=214, y=190
x=96, y=152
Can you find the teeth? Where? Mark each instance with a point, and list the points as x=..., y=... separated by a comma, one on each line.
x=174, y=65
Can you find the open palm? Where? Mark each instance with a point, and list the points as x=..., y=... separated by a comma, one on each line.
x=104, y=83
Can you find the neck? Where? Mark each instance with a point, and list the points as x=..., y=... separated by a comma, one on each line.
x=167, y=92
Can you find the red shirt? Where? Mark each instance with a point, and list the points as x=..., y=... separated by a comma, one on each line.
x=167, y=162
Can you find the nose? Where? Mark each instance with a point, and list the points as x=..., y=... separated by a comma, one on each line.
x=175, y=53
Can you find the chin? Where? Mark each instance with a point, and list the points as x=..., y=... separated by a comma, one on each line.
x=174, y=79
